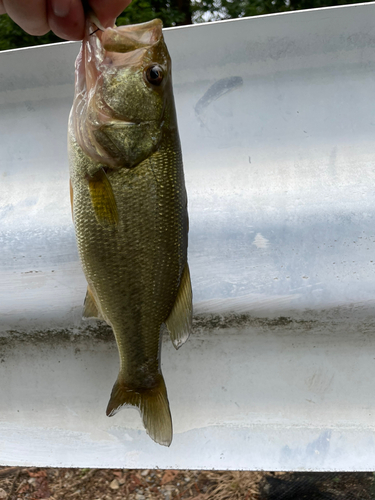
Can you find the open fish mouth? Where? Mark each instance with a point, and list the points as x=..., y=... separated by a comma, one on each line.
x=118, y=46
x=129, y=38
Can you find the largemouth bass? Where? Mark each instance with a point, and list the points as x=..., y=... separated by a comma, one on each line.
x=129, y=208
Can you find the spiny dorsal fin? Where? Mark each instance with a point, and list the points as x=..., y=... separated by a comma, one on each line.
x=153, y=405
x=103, y=199
x=179, y=322
x=90, y=309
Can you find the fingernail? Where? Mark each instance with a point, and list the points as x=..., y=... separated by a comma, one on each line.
x=61, y=8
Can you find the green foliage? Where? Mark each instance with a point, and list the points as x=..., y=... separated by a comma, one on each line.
x=172, y=13
x=13, y=37
x=231, y=9
x=140, y=11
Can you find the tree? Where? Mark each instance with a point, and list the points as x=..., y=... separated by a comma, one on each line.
x=172, y=13
x=214, y=10
x=13, y=37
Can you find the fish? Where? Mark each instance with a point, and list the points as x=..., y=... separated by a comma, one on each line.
x=129, y=207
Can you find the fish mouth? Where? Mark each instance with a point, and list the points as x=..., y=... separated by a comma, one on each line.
x=114, y=47
x=118, y=46
x=128, y=38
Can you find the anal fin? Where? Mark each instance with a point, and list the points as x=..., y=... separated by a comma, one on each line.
x=103, y=199
x=90, y=308
x=179, y=322
x=152, y=403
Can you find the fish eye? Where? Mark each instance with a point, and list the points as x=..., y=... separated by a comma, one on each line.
x=154, y=74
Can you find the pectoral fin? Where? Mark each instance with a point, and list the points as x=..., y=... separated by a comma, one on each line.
x=103, y=199
x=90, y=308
x=179, y=322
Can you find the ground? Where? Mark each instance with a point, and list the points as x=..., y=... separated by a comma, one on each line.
x=18, y=483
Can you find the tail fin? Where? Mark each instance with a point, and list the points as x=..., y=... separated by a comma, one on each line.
x=153, y=405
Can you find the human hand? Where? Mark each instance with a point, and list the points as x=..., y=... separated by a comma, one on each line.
x=65, y=18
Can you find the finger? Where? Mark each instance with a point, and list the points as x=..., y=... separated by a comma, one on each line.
x=31, y=16
x=66, y=18
x=2, y=8
x=108, y=11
